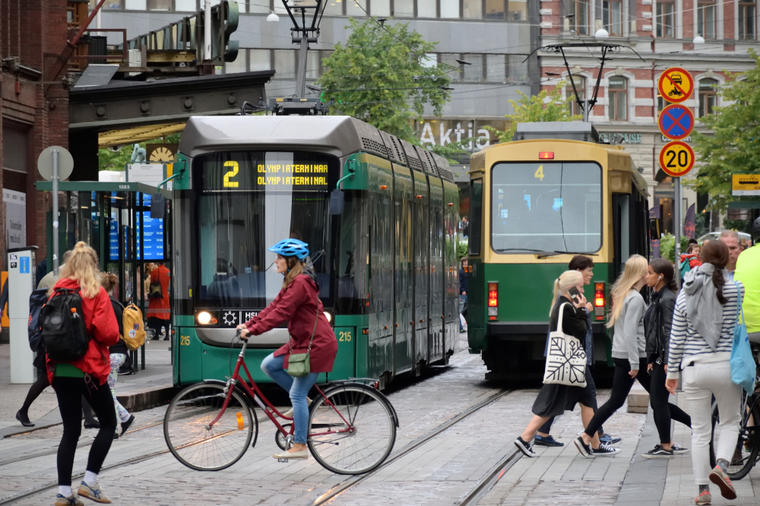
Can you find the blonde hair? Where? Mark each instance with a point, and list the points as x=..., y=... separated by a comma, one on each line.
x=82, y=266
x=563, y=283
x=295, y=267
x=636, y=267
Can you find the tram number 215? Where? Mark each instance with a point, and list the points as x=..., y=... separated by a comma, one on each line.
x=344, y=336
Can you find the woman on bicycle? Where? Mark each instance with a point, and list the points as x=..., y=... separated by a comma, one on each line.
x=700, y=345
x=298, y=304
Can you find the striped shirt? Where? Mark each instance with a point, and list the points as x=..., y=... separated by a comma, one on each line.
x=687, y=345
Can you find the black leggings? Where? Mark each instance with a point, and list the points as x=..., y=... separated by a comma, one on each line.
x=621, y=386
x=70, y=392
x=36, y=389
x=662, y=410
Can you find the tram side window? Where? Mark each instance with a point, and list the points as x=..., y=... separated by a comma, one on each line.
x=476, y=216
x=550, y=206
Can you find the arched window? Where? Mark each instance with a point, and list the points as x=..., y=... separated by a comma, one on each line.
x=580, y=86
x=747, y=14
x=617, y=96
x=708, y=96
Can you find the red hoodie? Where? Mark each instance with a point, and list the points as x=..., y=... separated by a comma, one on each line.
x=103, y=329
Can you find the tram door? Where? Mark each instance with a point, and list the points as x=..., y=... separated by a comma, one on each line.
x=437, y=267
x=421, y=266
x=402, y=270
x=621, y=232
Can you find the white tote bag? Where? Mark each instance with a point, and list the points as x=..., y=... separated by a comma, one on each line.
x=565, y=358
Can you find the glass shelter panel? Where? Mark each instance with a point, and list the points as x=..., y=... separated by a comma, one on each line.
x=554, y=207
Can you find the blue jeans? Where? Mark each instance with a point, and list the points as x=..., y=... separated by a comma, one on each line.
x=298, y=388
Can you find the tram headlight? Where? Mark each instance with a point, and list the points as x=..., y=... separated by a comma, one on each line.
x=329, y=317
x=205, y=318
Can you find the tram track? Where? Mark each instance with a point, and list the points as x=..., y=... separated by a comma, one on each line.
x=490, y=479
x=344, y=486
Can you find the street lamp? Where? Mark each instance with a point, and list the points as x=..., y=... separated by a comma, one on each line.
x=306, y=16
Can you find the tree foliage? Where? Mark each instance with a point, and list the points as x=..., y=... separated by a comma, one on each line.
x=547, y=105
x=731, y=144
x=381, y=76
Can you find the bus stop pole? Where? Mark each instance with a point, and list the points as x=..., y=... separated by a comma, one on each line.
x=55, y=212
x=677, y=227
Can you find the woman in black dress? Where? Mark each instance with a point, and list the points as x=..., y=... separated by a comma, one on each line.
x=553, y=400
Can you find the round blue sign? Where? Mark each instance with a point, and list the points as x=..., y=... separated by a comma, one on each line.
x=676, y=121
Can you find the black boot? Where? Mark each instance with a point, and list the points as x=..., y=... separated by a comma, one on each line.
x=23, y=418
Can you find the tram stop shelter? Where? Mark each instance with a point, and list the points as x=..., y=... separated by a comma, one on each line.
x=127, y=223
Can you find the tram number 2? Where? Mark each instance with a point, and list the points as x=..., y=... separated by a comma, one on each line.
x=344, y=336
x=676, y=158
x=234, y=168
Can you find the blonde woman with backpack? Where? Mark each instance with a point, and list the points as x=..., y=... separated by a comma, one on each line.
x=84, y=377
x=117, y=352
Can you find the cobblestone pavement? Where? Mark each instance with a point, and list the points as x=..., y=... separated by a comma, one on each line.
x=440, y=471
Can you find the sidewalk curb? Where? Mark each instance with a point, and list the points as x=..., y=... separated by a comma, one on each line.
x=147, y=399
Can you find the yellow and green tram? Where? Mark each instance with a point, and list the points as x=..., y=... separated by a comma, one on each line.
x=378, y=213
x=535, y=203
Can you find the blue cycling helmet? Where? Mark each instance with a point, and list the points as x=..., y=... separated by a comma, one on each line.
x=291, y=248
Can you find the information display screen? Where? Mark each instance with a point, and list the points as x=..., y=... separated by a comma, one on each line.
x=265, y=171
x=153, y=237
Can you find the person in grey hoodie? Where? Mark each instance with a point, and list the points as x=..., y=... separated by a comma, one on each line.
x=628, y=346
x=701, y=339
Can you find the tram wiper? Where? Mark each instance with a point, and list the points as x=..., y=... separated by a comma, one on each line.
x=545, y=254
x=539, y=252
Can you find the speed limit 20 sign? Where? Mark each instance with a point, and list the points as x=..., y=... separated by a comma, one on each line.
x=676, y=158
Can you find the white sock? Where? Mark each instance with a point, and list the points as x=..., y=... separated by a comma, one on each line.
x=65, y=490
x=91, y=478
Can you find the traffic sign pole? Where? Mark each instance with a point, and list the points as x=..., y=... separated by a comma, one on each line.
x=677, y=234
x=55, y=212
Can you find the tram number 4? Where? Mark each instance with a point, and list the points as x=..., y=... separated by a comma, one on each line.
x=539, y=174
x=227, y=181
x=344, y=336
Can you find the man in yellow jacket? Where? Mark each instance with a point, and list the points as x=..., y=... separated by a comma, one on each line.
x=748, y=272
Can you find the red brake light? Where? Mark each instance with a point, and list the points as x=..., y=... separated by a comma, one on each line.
x=599, y=301
x=493, y=294
x=546, y=155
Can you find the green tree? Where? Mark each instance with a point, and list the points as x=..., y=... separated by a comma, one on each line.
x=547, y=105
x=382, y=75
x=730, y=143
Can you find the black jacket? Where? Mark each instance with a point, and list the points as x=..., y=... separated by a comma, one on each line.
x=573, y=319
x=657, y=322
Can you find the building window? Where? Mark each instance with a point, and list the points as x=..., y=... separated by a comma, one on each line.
x=580, y=87
x=518, y=68
x=708, y=96
x=426, y=9
x=451, y=65
x=285, y=63
x=495, y=9
x=517, y=10
x=135, y=5
x=333, y=7
x=186, y=5
x=617, y=90
x=612, y=16
x=260, y=59
x=666, y=20
x=579, y=17
x=473, y=72
x=381, y=8
x=496, y=68
x=356, y=8
x=747, y=16
x=706, y=16
x=403, y=8
x=472, y=9
x=449, y=8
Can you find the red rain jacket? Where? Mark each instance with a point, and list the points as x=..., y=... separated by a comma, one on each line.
x=299, y=305
x=103, y=329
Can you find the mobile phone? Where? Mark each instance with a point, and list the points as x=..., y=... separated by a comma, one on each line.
x=575, y=294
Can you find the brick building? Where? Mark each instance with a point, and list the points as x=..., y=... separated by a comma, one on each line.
x=33, y=112
x=709, y=38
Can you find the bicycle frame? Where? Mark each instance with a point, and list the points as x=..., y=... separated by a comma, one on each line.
x=254, y=393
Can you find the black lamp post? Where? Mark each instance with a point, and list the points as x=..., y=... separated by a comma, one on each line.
x=306, y=16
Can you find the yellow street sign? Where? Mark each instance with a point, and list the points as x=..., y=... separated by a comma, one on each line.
x=745, y=184
x=675, y=85
x=676, y=158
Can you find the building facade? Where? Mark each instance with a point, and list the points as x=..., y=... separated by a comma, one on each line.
x=708, y=38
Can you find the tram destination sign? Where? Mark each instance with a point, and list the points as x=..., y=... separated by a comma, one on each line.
x=250, y=174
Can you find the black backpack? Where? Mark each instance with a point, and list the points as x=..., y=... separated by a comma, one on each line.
x=63, y=329
x=37, y=301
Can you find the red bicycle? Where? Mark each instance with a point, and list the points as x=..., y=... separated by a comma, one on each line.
x=208, y=426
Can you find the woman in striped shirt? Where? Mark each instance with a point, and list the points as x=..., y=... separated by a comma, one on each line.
x=700, y=345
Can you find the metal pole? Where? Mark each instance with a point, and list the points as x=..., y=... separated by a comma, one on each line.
x=677, y=226
x=207, y=30
x=55, y=212
x=301, y=76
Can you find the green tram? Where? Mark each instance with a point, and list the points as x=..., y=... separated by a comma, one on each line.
x=378, y=213
x=535, y=203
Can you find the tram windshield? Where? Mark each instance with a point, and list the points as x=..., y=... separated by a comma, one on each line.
x=548, y=206
x=247, y=201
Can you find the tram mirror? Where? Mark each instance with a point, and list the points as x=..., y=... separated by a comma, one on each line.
x=336, y=202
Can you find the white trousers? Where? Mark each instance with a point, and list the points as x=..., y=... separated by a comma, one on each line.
x=701, y=382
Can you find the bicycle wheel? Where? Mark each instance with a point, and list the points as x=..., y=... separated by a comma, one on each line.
x=204, y=448
x=352, y=429
x=747, y=451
